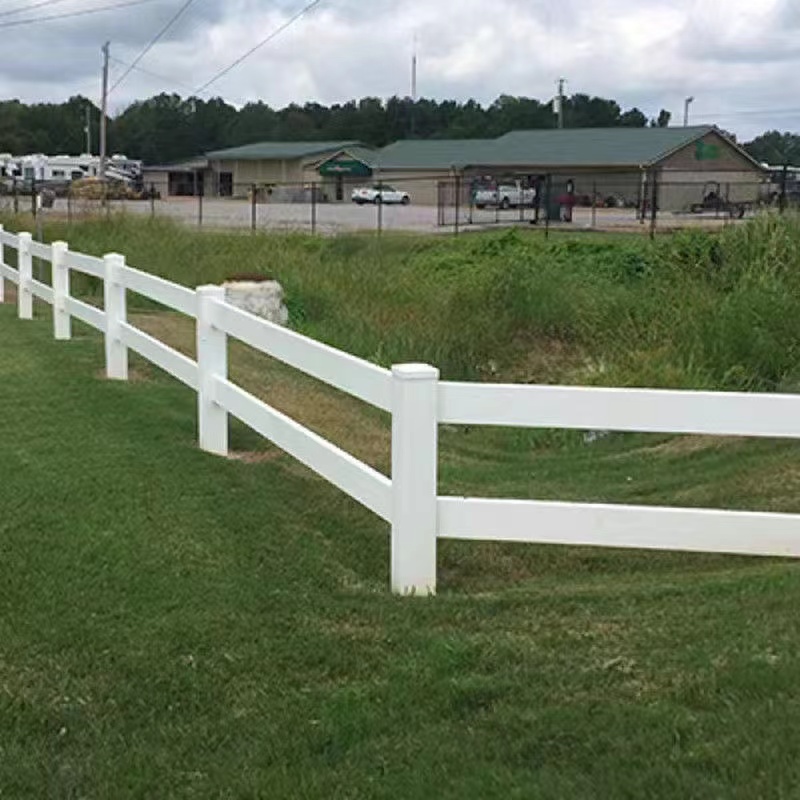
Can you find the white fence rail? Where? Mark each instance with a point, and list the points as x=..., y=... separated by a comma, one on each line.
x=419, y=402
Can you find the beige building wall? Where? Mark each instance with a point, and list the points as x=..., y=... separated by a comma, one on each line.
x=729, y=158
x=421, y=185
x=680, y=189
x=158, y=179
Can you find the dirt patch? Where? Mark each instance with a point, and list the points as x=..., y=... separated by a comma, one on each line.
x=255, y=457
x=684, y=446
x=134, y=375
x=11, y=294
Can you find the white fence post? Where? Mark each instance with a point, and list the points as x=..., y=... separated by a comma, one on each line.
x=414, y=478
x=115, y=307
x=62, y=328
x=212, y=362
x=25, y=267
x=2, y=279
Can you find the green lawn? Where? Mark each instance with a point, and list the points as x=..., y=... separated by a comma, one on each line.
x=177, y=625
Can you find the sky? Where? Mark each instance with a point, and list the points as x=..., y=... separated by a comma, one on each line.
x=739, y=59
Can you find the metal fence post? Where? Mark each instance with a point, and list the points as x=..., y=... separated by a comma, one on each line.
x=25, y=267
x=33, y=198
x=16, y=195
x=784, y=181
x=547, y=193
x=414, y=478
x=253, y=207
x=654, y=206
x=2, y=261
x=62, y=328
x=212, y=363
x=594, y=204
x=313, y=208
x=152, y=200
x=116, y=313
x=458, y=204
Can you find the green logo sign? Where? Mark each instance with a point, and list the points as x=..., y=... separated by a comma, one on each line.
x=345, y=167
x=707, y=152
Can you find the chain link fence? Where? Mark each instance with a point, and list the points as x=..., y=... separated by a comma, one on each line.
x=631, y=202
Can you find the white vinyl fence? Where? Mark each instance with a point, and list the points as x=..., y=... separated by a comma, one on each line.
x=418, y=402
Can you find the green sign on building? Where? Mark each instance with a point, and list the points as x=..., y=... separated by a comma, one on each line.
x=345, y=166
x=707, y=152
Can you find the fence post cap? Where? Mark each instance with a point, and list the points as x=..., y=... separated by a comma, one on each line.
x=415, y=372
x=59, y=245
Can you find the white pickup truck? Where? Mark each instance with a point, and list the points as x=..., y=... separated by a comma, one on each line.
x=509, y=195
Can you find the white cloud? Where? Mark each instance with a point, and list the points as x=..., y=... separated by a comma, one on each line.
x=734, y=56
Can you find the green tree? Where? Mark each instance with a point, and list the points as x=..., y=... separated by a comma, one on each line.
x=776, y=148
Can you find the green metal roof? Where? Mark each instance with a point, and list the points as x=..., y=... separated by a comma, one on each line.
x=592, y=147
x=432, y=153
x=278, y=150
x=570, y=147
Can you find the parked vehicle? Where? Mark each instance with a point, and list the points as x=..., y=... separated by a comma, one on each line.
x=510, y=195
x=380, y=193
x=714, y=201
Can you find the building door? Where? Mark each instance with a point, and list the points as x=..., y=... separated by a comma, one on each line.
x=339, y=188
x=226, y=184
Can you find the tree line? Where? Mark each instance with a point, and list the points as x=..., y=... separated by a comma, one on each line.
x=168, y=127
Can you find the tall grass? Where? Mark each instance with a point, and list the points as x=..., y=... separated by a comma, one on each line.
x=696, y=309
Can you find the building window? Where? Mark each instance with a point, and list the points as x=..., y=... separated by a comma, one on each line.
x=58, y=173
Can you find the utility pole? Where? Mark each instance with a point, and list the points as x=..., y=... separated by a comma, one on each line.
x=686, y=103
x=561, y=83
x=88, y=130
x=103, y=112
x=414, y=88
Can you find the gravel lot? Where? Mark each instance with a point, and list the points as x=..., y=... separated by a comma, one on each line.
x=335, y=217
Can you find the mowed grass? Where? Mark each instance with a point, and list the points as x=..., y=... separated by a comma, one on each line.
x=178, y=625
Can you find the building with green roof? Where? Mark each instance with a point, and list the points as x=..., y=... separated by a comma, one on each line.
x=610, y=160
x=613, y=162
x=284, y=169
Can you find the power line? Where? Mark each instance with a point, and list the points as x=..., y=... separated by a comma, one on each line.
x=301, y=13
x=32, y=20
x=155, y=75
x=149, y=46
x=41, y=4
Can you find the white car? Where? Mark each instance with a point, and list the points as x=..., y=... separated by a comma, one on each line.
x=380, y=194
x=505, y=196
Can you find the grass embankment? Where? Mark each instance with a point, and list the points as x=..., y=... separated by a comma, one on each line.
x=691, y=310
x=177, y=625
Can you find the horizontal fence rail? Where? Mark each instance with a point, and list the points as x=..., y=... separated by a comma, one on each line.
x=90, y=315
x=641, y=527
x=89, y=265
x=361, y=482
x=9, y=273
x=42, y=291
x=341, y=370
x=42, y=251
x=632, y=410
x=176, y=364
x=418, y=402
x=162, y=291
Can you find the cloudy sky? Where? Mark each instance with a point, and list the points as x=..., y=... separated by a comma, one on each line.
x=740, y=59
